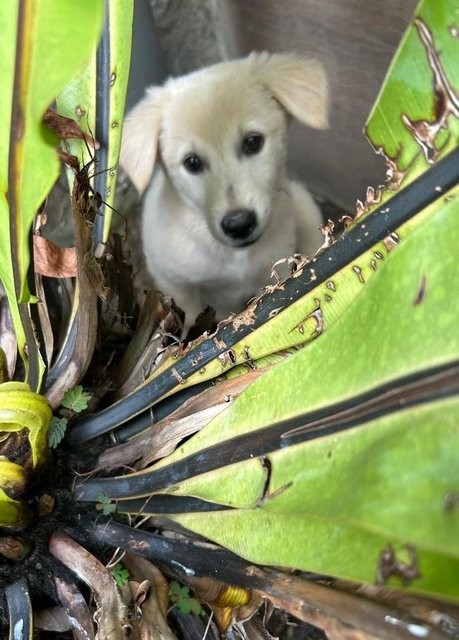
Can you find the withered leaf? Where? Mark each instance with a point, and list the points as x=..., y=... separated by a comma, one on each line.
x=66, y=128
x=53, y=261
x=95, y=275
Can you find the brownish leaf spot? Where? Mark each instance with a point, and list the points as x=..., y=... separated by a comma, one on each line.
x=420, y=295
x=389, y=565
x=425, y=132
x=451, y=501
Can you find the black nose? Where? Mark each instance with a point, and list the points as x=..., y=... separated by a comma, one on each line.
x=239, y=224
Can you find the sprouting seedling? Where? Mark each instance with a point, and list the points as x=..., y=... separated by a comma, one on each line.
x=120, y=574
x=105, y=504
x=56, y=431
x=75, y=401
x=181, y=598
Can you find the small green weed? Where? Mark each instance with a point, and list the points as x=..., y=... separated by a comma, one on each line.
x=74, y=401
x=120, y=574
x=181, y=598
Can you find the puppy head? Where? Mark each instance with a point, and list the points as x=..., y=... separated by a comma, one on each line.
x=222, y=136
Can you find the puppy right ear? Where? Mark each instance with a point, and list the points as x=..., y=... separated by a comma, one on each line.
x=140, y=139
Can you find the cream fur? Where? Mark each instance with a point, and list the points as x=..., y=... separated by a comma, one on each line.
x=208, y=112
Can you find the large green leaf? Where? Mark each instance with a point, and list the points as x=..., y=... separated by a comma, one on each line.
x=42, y=44
x=96, y=99
x=336, y=504
x=342, y=458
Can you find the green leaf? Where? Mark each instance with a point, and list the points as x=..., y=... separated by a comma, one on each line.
x=409, y=121
x=103, y=90
x=103, y=499
x=333, y=504
x=106, y=503
x=177, y=590
x=189, y=605
x=109, y=509
x=180, y=596
x=11, y=511
x=56, y=431
x=194, y=606
x=43, y=43
x=76, y=399
x=120, y=574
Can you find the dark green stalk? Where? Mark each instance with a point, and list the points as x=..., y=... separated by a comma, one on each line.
x=102, y=132
x=415, y=390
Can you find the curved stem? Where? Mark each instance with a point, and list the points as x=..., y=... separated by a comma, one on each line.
x=19, y=610
x=76, y=609
x=112, y=618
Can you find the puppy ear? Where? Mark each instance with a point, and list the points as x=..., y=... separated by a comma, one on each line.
x=140, y=139
x=299, y=84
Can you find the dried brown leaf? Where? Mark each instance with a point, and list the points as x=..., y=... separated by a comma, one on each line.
x=45, y=320
x=95, y=275
x=69, y=159
x=150, y=592
x=230, y=604
x=169, y=435
x=169, y=431
x=53, y=261
x=66, y=128
x=341, y=615
x=158, y=321
x=111, y=614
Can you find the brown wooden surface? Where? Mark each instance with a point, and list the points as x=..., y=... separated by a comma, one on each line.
x=356, y=40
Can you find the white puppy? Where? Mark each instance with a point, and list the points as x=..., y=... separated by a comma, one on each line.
x=220, y=208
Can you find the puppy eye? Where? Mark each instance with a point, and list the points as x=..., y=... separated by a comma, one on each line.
x=193, y=163
x=252, y=144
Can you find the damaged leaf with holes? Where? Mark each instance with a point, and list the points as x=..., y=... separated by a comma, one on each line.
x=339, y=459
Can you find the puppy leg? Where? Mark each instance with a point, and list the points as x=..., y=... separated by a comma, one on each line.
x=308, y=220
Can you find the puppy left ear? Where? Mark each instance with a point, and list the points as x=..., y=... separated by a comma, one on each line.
x=139, y=143
x=299, y=84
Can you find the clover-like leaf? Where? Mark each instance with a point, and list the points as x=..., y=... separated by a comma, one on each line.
x=76, y=399
x=105, y=504
x=180, y=596
x=189, y=605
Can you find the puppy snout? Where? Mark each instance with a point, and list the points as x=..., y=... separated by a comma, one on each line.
x=239, y=224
